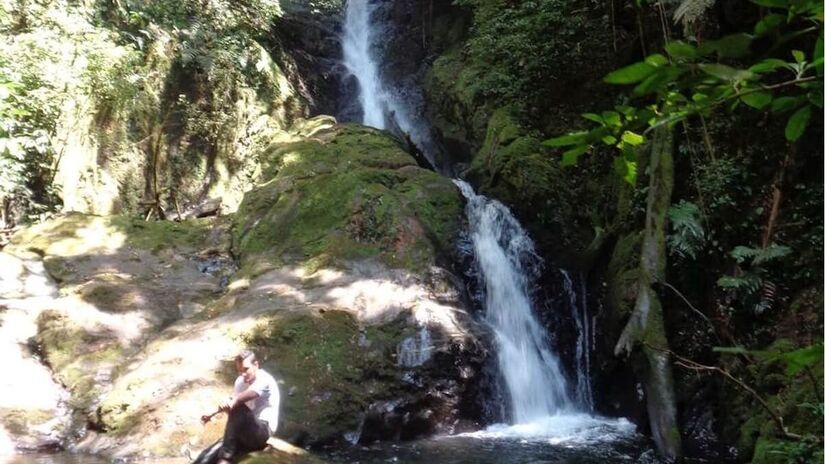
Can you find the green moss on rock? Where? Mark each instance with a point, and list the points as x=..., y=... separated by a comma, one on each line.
x=76, y=354
x=329, y=375
x=351, y=192
x=794, y=398
x=76, y=234
x=513, y=167
x=21, y=421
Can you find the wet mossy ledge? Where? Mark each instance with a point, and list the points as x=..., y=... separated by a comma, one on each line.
x=347, y=192
x=514, y=167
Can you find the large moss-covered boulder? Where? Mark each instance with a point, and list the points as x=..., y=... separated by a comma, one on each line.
x=343, y=288
x=363, y=232
x=347, y=192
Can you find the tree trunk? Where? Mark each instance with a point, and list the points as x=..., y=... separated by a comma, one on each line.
x=644, y=335
x=776, y=196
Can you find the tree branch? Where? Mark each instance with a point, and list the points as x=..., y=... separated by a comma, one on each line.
x=694, y=366
x=695, y=310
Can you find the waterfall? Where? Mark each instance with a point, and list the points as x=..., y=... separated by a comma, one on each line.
x=584, y=341
x=358, y=59
x=504, y=254
x=382, y=108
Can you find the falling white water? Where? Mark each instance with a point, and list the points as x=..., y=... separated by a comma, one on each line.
x=384, y=108
x=415, y=350
x=584, y=390
x=358, y=58
x=539, y=399
x=531, y=371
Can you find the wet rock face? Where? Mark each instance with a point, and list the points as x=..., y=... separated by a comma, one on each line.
x=34, y=414
x=315, y=53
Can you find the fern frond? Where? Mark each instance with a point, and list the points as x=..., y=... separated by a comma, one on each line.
x=688, y=235
x=758, y=256
x=772, y=252
x=748, y=282
x=690, y=10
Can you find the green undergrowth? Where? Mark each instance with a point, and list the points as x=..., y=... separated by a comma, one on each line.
x=794, y=397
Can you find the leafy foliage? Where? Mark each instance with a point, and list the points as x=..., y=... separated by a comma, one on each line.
x=691, y=79
x=751, y=277
x=521, y=46
x=688, y=235
x=794, y=361
x=152, y=72
x=759, y=256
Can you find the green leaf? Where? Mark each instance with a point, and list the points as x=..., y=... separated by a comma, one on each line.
x=630, y=74
x=797, y=123
x=768, y=23
x=570, y=157
x=699, y=97
x=758, y=100
x=799, y=359
x=632, y=138
x=656, y=60
x=734, y=45
x=680, y=49
x=611, y=118
x=798, y=55
x=818, y=55
x=748, y=281
x=625, y=168
x=628, y=111
x=770, y=253
x=609, y=140
x=593, y=117
x=573, y=138
x=768, y=65
x=783, y=104
x=725, y=72
x=659, y=80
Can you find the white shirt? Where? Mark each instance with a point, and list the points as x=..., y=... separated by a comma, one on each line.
x=265, y=406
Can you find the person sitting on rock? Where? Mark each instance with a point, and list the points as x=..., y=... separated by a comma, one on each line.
x=253, y=413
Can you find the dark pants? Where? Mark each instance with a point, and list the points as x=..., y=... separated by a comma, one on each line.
x=244, y=433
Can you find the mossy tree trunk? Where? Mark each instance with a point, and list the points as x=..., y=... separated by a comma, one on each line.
x=644, y=335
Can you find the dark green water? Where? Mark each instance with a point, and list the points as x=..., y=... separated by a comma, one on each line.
x=457, y=450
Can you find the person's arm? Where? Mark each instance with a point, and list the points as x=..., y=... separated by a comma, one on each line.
x=226, y=406
x=242, y=397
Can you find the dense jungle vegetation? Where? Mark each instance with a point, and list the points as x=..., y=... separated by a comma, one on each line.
x=716, y=131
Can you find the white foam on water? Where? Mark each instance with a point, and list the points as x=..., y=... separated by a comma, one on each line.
x=561, y=429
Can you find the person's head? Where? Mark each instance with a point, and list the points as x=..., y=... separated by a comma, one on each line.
x=247, y=365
